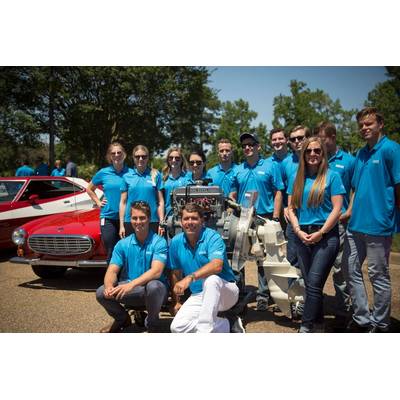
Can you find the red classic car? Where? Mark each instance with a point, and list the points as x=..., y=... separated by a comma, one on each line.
x=55, y=243
x=23, y=199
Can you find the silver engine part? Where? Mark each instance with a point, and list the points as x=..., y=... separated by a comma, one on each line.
x=248, y=237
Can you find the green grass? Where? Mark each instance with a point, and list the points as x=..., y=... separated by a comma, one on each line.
x=396, y=243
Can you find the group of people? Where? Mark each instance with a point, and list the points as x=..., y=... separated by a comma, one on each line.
x=42, y=169
x=336, y=210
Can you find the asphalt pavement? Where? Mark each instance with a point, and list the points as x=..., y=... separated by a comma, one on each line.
x=31, y=304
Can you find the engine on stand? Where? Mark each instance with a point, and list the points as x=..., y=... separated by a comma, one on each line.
x=247, y=236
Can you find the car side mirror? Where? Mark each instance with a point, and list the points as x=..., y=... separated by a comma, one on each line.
x=33, y=198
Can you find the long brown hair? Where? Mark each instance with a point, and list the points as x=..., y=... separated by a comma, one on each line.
x=167, y=169
x=316, y=195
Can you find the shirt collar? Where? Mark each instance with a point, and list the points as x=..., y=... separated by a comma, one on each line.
x=199, y=240
x=134, y=240
x=258, y=163
x=146, y=171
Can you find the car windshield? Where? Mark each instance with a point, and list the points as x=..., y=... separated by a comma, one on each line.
x=8, y=190
x=49, y=189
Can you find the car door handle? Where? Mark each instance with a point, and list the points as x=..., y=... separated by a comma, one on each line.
x=67, y=202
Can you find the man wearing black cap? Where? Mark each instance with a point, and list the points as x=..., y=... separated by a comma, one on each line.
x=263, y=177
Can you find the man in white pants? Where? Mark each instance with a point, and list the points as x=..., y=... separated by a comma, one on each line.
x=199, y=254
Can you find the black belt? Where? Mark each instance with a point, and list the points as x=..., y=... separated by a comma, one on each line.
x=310, y=228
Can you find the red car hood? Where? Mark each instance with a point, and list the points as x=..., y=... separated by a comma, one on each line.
x=71, y=223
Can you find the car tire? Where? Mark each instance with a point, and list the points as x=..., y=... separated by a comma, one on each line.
x=48, y=271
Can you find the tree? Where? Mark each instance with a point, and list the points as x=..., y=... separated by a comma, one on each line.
x=88, y=107
x=306, y=107
x=234, y=119
x=386, y=98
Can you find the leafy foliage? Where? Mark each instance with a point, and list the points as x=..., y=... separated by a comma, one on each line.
x=307, y=107
x=234, y=119
x=386, y=98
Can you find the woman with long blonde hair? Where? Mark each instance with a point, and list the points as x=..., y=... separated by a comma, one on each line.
x=110, y=178
x=174, y=175
x=314, y=203
x=142, y=183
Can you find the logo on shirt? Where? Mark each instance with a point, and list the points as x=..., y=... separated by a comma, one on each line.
x=202, y=253
x=261, y=172
x=218, y=253
x=149, y=181
x=339, y=166
x=375, y=161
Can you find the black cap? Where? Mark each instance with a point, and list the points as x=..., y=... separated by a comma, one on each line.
x=248, y=135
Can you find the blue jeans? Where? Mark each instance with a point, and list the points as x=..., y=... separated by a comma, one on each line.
x=152, y=295
x=376, y=249
x=315, y=263
x=110, y=235
x=342, y=293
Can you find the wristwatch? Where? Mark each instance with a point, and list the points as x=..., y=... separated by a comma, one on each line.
x=193, y=277
x=276, y=219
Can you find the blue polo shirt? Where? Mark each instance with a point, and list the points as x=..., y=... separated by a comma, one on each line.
x=189, y=177
x=111, y=181
x=376, y=172
x=141, y=187
x=289, y=167
x=317, y=215
x=279, y=163
x=135, y=258
x=222, y=178
x=58, y=172
x=210, y=246
x=264, y=178
x=42, y=170
x=168, y=187
x=343, y=164
x=24, y=171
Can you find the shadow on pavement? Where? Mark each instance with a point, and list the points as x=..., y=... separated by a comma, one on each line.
x=73, y=280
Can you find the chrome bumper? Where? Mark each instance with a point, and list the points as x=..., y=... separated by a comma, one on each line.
x=70, y=264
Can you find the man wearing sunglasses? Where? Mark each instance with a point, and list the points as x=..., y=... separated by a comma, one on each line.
x=135, y=275
x=343, y=164
x=222, y=174
x=262, y=176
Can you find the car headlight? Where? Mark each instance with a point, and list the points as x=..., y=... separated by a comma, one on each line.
x=19, y=236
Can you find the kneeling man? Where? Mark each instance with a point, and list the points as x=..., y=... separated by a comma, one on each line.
x=135, y=274
x=199, y=253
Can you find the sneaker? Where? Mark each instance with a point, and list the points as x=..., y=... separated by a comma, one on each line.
x=140, y=318
x=117, y=326
x=262, y=304
x=297, y=310
x=236, y=325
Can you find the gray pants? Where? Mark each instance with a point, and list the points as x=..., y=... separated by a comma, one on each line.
x=376, y=249
x=342, y=293
x=152, y=296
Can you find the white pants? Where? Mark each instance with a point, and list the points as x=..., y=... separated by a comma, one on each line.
x=199, y=312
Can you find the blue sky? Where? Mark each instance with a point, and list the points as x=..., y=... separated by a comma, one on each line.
x=259, y=85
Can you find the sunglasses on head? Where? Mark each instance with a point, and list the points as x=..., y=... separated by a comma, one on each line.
x=317, y=151
x=297, y=139
x=143, y=157
x=195, y=162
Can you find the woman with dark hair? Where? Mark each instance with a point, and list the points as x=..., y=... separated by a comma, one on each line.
x=110, y=178
x=315, y=202
x=141, y=183
x=174, y=175
x=197, y=166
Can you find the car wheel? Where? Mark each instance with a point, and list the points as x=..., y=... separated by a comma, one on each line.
x=48, y=271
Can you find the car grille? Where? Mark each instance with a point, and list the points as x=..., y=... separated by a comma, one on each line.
x=60, y=244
